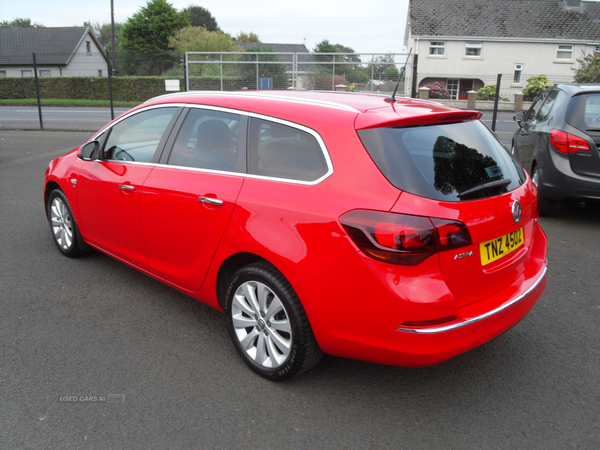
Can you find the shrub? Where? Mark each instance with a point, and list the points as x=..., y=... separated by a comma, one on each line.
x=536, y=85
x=487, y=92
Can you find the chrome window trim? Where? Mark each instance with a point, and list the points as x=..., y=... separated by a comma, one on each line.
x=303, y=128
x=500, y=308
x=308, y=130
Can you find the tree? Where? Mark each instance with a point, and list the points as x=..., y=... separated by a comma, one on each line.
x=148, y=32
x=201, y=17
x=199, y=39
x=589, y=69
x=20, y=22
x=242, y=36
x=351, y=64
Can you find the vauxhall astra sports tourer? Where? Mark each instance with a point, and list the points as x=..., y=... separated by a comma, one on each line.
x=396, y=231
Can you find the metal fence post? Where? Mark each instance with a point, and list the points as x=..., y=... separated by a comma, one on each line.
x=414, y=75
x=185, y=74
x=496, y=102
x=110, y=91
x=333, y=79
x=37, y=91
x=221, y=65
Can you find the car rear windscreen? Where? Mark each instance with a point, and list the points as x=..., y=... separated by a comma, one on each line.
x=583, y=112
x=450, y=162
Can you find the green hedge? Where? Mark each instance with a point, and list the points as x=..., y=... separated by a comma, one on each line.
x=96, y=88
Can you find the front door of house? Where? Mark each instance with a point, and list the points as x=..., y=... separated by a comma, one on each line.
x=465, y=87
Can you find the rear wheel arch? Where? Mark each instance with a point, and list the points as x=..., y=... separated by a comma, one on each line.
x=228, y=268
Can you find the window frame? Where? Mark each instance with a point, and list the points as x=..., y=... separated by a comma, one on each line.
x=437, y=45
x=469, y=45
x=30, y=71
x=564, y=50
x=88, y=47
x=44, y=70
x=519, y=70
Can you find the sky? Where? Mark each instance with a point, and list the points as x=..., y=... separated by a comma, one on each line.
x=366, y=27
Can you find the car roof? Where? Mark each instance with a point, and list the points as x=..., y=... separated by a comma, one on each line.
x=573, y=89
x=372, y=110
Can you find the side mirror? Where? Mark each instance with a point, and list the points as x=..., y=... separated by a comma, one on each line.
x=88, y=151
x=518, y=118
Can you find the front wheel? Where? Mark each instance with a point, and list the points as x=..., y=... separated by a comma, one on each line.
x=268, y=325
x=545, y=205
x=62, y=224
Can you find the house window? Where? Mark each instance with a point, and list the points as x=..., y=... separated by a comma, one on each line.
x=88, y=47
x=437, y=48
x=99, y=73
x=564, y=52
x=452, y=88
x=26, y=73
x=596, y=49
x=2, y=73
x=44, y=73
x=473, y=49
x=518, y=70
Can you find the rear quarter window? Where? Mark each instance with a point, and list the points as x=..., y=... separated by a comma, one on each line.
x=282, y=151
x=443, y=162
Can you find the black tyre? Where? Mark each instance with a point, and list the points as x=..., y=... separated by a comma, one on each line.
x=545, y=205
x=268, y=325
x=62, y=225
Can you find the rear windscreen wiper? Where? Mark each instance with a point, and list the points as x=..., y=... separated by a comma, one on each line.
x=484, y=186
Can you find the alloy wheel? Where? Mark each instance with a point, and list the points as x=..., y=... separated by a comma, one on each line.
x=261, y=323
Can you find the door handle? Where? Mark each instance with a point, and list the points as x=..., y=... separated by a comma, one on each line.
x=127, y=187
x=211, y=201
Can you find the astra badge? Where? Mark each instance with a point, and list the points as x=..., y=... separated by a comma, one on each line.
x=463, y=255
x=516, y=211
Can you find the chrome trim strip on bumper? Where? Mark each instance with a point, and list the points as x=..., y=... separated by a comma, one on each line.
x=478, y=318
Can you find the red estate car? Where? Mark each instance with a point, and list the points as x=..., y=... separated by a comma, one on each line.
x=399, y=232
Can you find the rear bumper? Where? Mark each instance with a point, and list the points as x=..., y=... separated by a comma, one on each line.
x=559, y=182
x=434, y=330
x=361, y=304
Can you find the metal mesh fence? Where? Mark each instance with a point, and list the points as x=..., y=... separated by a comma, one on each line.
x=303, y=71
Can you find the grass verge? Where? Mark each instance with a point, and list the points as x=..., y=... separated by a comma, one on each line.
x=66, y=102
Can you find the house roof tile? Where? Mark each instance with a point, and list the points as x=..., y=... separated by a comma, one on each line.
x=534, y=19
x=52, y=46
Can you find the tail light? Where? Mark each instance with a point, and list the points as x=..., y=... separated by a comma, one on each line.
x=567, y=143
x=403, y=239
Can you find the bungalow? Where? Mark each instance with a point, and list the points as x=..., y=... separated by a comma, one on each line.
x=59, y=51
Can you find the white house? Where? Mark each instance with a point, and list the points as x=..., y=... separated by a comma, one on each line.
x=465, y=44
x=59, y=51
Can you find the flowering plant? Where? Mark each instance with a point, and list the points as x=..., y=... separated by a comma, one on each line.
x=438, y=90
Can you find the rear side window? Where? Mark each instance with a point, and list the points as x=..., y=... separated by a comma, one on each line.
x=207, y=140
x=584, y=112
x=282, y=151
x=450, y=162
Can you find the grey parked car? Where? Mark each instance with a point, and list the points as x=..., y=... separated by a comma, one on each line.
x=557, y=143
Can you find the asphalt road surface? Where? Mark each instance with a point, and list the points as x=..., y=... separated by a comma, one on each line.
x=157, y=370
